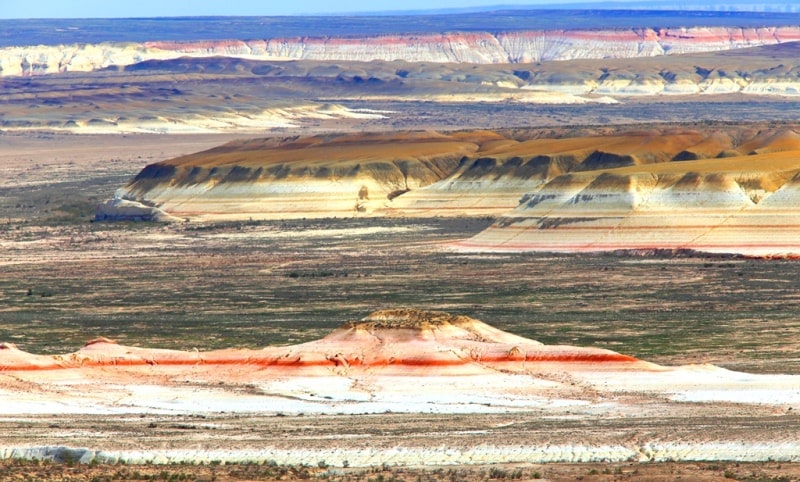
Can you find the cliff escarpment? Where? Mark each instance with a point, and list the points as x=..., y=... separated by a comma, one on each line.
x=729, y=190
x=459, y=47
x=728, y=204
x=320, y=176
x=511, y=172
x=221, y=94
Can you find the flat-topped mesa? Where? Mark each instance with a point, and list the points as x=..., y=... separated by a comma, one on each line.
x=409, y=318
x=453, y=47
x=307, y=177
x=407, y=325
x=605, y=189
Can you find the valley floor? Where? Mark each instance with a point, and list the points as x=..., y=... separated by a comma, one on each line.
x=320, y=438
x=700, y=472
x=65, y=280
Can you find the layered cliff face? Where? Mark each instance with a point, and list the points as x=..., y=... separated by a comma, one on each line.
x=740, y=205
x=752, y=71
x=493, y=180
x=727, y=190
x=323, y=176
x=206, y=95
x=463, y=173
x=733, y=191
x=502, y=174
x=459, y=47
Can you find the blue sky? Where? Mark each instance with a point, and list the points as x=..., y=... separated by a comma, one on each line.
x=169, y=8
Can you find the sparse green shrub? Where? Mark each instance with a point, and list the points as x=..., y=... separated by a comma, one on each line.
x=498, y=473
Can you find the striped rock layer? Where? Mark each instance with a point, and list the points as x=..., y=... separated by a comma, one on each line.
x=390, y=341
x=322, y=176
x=729, y=189
x=745, y=206
x=460, y=47
x=399, y=360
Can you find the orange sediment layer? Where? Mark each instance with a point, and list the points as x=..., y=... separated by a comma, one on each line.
x=399, y=338
x=296, y=362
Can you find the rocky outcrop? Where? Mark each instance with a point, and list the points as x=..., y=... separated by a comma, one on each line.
x=501, y=175
x=398, y=360
x=389, y=341
x=323, y=176
x=526, y=47
x=182, y=95
x=460, y=47
x=123, y=210
x=714, y=190
x=741, y=205
x=477, y=173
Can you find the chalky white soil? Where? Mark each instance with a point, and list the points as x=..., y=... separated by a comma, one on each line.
x=396, y=361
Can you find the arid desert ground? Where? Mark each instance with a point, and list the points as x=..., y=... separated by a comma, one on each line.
x=189, y=318
x=175, y=286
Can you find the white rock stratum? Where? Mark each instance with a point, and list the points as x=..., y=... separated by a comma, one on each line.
x=473, y=47
x=400, y=361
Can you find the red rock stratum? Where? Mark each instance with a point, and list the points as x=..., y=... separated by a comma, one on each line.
x=390, y=341
x=401, y=361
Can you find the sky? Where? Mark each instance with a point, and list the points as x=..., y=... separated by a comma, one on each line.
x=179, y=8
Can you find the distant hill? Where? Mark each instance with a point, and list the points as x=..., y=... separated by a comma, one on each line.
x=697, y=188
x=692, y=5
x=660, y=5
x=498, y=19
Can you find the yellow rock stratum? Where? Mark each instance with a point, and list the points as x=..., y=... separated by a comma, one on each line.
x=729, y=189
x=323, y=176
x=741, y=205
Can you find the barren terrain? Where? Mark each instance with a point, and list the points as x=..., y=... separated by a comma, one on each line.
x=102, y=280
x=636, y=472
x=721, y=188
x=70, y=140
x=94, y=279
x=107, y=280
x=221, y=94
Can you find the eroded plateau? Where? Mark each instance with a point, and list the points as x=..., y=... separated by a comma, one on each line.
x=708, y=342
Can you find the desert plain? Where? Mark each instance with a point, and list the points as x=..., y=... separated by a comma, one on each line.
x=181, y=311
x=107, y=279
